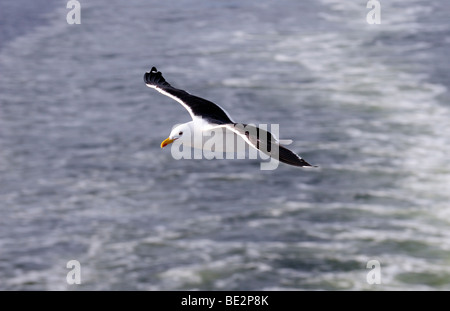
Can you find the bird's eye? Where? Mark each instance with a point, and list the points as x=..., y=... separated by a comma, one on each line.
x=180, y=133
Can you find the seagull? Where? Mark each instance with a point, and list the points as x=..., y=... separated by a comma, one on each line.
x=207, y=116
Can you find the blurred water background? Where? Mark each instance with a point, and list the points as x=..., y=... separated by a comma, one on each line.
x=82, y=175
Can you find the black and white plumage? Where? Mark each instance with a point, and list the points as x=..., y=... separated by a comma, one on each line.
x=207, y=115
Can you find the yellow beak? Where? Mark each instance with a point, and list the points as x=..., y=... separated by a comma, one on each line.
x=166, y=142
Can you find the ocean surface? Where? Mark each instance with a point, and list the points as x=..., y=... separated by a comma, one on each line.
x=82, y=175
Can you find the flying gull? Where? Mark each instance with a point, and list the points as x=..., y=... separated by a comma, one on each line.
x=207, y=116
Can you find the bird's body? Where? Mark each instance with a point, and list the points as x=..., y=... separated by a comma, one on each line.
x=209, y=120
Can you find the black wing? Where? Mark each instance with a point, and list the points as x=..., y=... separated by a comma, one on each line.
x=267, y=143
x=196, y=106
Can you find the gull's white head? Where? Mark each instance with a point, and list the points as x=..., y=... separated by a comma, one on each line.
x=181, y=131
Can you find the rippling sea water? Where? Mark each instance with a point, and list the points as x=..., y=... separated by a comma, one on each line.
x=82, y=175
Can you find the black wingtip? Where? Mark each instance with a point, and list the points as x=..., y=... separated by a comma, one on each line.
x=148, y=75
x=155, y=78
x=287, y=156
x=303, y=163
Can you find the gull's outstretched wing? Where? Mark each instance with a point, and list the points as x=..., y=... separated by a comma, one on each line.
x=265, y=142
x=196, y=106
